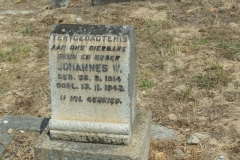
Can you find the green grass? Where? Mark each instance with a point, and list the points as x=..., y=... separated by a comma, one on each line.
x=226, y=42
x=146, y=84
x=154, y=32
x=203, y=41
x=230, y=50
x=214, y=76
x=27, y=30
x=156, y=24
x=204, y=81
x=201, y=30
x=15, y=54
x=3, y=90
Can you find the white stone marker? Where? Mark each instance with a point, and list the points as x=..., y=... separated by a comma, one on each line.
x=93, y=83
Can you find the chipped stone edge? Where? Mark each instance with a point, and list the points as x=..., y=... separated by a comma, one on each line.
x=89, y=137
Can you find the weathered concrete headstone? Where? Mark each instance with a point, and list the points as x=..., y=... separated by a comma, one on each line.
x=102, y=2
x=93, y=94
x=64, y=3
x=93, y=83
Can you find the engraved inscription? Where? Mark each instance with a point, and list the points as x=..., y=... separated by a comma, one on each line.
x=83, y=67
x=90, y=74
x=90, y=38
x=76, y=62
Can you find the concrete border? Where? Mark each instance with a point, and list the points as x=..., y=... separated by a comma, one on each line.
x=137, y=149
x=18, y=123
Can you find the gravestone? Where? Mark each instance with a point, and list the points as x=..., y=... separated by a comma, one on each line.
x=64, y=3
x=103, y=2
x=93, y=96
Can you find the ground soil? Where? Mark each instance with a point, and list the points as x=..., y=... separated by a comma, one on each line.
x=188, y=70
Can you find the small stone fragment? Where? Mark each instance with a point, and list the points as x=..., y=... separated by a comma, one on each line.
x=78, y=20
x=193, y=140
x=221, y=157
x=172, y=117
x=5, y=121
x=202, y=136
x=10, y=131
x=160, y=156
x=162, y=133
x=19, y=154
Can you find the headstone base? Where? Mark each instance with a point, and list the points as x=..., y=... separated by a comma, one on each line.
x=137, y=149
x=89, y=137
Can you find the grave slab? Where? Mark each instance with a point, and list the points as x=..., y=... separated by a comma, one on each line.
x=24, y=123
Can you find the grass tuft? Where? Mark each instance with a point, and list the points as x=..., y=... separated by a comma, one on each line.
x=230, y=50
x=214, y=76
x=201, y=30
x=27, y=30
x=15, y=54
x=146, y=84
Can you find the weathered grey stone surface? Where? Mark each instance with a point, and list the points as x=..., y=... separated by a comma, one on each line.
x=64, y=3
x=221, y=157
x=93, y=83
x=59, y=3
x=25, y=123
x=193, y=139
x=5, y=139
x=162, y=133
x=137, y=149
x=202, y=136
x=102, y=2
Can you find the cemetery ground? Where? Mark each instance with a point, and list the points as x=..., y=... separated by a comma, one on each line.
x=188, y=70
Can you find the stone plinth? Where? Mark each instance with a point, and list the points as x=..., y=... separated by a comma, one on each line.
x=137, y=149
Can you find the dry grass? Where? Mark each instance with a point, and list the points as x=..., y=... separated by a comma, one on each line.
x=187, y=65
